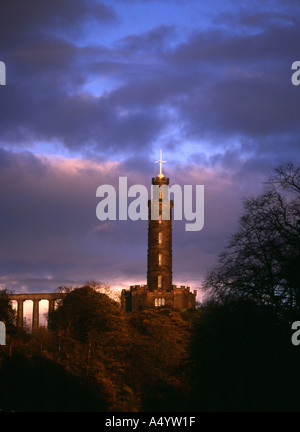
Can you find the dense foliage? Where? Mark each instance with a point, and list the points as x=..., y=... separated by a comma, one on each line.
x=120, y=362
x=229, y=356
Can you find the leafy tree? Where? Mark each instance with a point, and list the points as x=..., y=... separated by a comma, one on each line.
x=262, y=260
x=7, y=313
x=159, y=358
x=93, y=342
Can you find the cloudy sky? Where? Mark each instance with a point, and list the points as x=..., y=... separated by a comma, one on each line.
x=94, y=89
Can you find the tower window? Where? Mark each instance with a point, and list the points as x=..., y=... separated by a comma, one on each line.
x=160, y=238
x=158, y=302
x=159, y=259
x=160, y=218
x=160, y=195
x=159, y=281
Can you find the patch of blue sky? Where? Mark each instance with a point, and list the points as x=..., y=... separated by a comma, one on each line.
x=99, y=84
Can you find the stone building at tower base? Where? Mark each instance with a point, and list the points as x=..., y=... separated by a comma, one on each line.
x=139, y=297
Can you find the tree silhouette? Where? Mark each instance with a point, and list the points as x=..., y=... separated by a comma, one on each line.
x=262, y=260
x=7, y=313
x=242, y=359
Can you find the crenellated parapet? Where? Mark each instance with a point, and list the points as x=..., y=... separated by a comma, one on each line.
x=139, y=297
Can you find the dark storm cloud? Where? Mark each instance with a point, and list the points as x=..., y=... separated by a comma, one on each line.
x=248, y=88
x=43, y=98
x=156, y=40
x=260, y=19
x=23, y=22
x=217, y=83
x=251, y=106
x=46, y=111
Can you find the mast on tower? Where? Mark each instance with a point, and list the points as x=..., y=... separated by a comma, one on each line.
x=160, y=161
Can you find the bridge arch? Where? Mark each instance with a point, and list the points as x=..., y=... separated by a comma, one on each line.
x=35, y=298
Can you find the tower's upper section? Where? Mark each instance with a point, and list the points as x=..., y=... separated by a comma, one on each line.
x=160, y=180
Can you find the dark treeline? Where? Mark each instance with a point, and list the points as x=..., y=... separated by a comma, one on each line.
x=230, y=356
x=232, y=353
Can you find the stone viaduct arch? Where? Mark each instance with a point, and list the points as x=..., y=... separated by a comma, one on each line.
x=20, y=298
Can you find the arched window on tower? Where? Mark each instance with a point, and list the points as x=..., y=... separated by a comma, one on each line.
x=159, y=281
x=159, y=259
x=160, y=238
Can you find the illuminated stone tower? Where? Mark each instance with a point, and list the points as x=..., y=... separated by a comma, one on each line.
x=159, y=291
x=159, y=262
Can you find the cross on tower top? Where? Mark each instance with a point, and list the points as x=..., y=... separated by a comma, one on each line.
x=160, y=161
